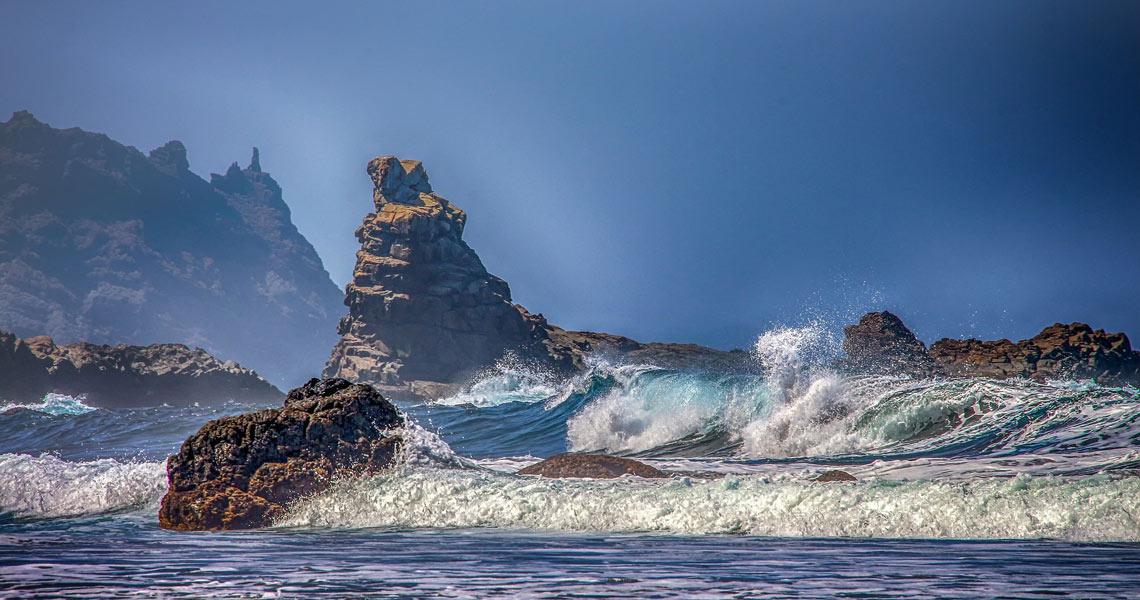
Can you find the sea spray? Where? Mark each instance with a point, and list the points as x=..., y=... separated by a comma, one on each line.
x=54, y=404
x=46, y=486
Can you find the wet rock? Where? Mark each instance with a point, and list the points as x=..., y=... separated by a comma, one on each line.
x=241, y=472
x=881, y=343
x=834, y=476
x=123, y=375
x=591, y=466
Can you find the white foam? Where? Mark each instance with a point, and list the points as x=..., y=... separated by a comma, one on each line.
x=47, y=486
x=55, y=404
x=1097, y=508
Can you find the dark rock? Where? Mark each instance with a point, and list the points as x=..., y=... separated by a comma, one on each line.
x=591, y=466
x=102, y=243
x=880, y=343
x=122, y=375
x=834, y=476
x=241, y=472
x=1060, y=351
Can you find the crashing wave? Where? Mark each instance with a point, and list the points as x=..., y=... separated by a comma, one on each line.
x=1088, y=509
x=54, y=404
x=47, y=486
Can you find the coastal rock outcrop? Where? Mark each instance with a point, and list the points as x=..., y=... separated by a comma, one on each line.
x=1060, y=351
x=103, y=243
x=122, y=375
x=424, y=313
x=880, y=343
x=241, y=472
x=591, y=466
x=421, y=304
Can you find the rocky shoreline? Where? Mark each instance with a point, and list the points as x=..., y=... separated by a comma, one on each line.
x=881, y=343
x=122, y=375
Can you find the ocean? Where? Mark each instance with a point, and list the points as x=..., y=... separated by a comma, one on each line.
x=967, y=488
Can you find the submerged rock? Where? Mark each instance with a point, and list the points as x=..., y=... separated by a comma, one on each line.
x=240, y=472
x=591, y=466
x=122, y=375
x=834, y=476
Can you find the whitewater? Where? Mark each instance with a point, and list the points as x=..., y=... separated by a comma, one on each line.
x=985, y=468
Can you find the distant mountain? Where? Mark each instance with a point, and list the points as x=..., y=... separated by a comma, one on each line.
x=101, y=243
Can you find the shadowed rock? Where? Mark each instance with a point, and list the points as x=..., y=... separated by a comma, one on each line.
x=124, y=376
x=591, y=466
x=241, y=472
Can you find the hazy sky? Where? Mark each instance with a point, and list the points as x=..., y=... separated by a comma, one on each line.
x=691, y=171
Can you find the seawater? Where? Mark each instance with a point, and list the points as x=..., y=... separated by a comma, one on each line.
x=967, y=488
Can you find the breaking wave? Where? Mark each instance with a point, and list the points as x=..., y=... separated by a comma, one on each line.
x=47, y=486
x=1097, y=508
x=799, y=406
x=54, y=404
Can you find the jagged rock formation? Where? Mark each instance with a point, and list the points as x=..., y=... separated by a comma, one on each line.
x=1060, y=351
x=424, y=312
x=421, y=304
x=591, y=466
x=100, y=242
x=123, y=376
x=241, y=472
x=881, y=343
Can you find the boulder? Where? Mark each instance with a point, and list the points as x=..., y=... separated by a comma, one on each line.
x=591, y=466
x=834, y=476
x=241, y=472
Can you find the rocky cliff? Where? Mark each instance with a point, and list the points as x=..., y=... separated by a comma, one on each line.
x=122, y=375
x=881, y=343
x=423, y=310
x=101, y=242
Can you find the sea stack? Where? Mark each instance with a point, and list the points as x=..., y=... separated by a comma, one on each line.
x=422, y=307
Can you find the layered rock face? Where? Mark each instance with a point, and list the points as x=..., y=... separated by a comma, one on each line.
x=241, y=472
x=122, y=375
x=100, y=242
x=422, y=307
x=881, y=343
x=424, y=311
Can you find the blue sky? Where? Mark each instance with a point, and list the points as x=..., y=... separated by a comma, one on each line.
x=670, y=170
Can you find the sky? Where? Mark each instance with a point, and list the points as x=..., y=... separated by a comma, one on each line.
x=674, y=171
